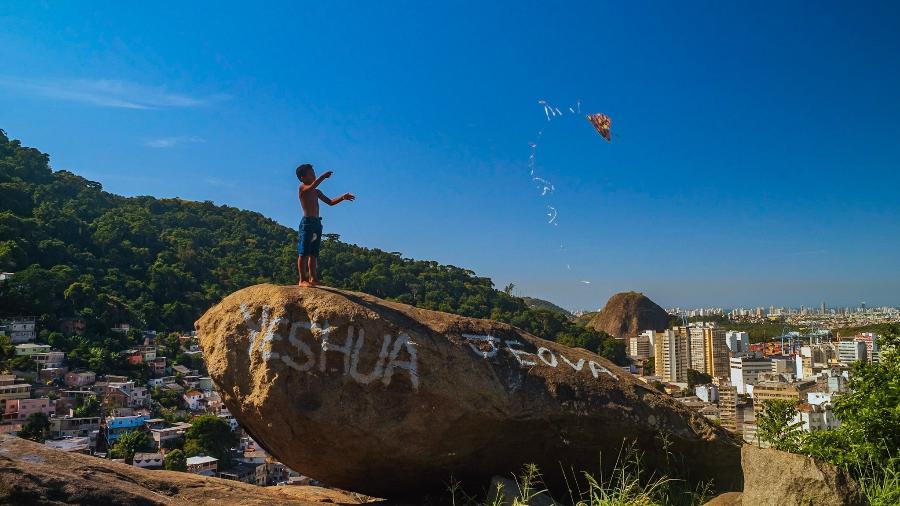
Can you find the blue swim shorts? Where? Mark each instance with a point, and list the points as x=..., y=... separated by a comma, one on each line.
x=310, y=236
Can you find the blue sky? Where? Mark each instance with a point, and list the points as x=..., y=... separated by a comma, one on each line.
x=755, y=161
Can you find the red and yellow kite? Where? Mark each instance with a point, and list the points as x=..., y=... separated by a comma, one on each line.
x=602, y=124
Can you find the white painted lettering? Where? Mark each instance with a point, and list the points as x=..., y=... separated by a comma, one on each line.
x=411, y=365
x=491, y=340
x=544, y=351
x=303, y=349
x=324, y=332
x=519, y=353
x=378, y=368
x=262, y=334
x=596, y=369
x=574, y=366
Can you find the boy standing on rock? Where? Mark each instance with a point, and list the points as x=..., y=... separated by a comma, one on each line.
x=311, y=224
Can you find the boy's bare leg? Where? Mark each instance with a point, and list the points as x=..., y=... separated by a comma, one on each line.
x=312, y=271
x=301, y=266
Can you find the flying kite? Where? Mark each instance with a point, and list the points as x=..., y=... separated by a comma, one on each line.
x=602, y=124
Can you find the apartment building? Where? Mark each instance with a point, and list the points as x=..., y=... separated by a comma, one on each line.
x=673, y=358
x=746, y=370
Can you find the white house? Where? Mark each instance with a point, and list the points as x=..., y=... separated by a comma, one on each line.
x=816, y=417
x=193, y=399
x=206, y=466
x=148, y=460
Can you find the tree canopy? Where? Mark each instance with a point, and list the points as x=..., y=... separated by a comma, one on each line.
x=130, y=443
x=210, y=435
x=175, y=461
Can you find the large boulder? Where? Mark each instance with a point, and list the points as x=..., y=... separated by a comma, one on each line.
x=31, y=473
x=776, y=478
x=391, y=400
x=627, y=314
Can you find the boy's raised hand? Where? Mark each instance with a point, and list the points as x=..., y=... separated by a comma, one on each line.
x=348, y=196
x=327, y=174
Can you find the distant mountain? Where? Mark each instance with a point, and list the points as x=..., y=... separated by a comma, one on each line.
x=535, y=303
x=627, y=314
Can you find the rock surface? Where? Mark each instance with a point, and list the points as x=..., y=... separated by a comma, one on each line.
x=31, y=473
x=726, y=499
x=627, y=314
x=776, y=478
x=391, y=400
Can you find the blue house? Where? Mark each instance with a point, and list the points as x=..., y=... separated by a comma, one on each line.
x=118, y=425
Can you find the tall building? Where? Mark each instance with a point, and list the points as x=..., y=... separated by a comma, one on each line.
x=746, y=370
x=872, y=349
x=729, y=412
x=813, y=359
x=784, y=365
x=850, y=351
x=639, y=346
x=737, y=341
x=698, y=355
x=716, y=350
x=672, y=355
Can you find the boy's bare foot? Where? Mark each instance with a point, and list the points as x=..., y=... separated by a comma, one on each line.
x=313, y=282
x=305, y=283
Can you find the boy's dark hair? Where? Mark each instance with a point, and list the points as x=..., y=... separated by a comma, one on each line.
x=301, y=170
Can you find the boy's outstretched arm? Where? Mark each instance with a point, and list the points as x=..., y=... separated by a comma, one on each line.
x=331, y=202
x=316, y=183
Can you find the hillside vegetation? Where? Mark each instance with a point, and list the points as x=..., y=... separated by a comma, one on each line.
x=160, y=263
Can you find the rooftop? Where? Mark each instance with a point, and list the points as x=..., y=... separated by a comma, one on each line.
x=193, y=461
x=148, y=456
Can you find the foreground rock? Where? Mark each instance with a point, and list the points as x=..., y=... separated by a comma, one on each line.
x=627, y=314
x=776, y=478
x=31, y=473
x=392, y=401
x=726, y=499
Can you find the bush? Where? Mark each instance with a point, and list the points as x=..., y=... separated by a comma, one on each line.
x=175, y=461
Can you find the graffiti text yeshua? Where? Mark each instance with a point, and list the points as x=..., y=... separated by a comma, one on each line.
x=310, y=342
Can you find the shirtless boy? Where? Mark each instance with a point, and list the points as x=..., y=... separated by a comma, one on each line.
x=311, y=225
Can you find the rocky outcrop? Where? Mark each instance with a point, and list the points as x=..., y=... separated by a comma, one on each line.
x=776, y=478
x=391, y=400
x=627, y=314
x=31, y=473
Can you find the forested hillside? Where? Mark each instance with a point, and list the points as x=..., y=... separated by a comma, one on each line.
x=160, y=263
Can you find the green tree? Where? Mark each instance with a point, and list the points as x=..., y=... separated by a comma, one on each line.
x=22, y=363
x=90, y=406
x=775, y=424
x=614, y=350
x=695, y=378
x=35, y=428
x=869, y=412
x=175, y=461
x=7, y=351
x=130, y=443
x=210, y=435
